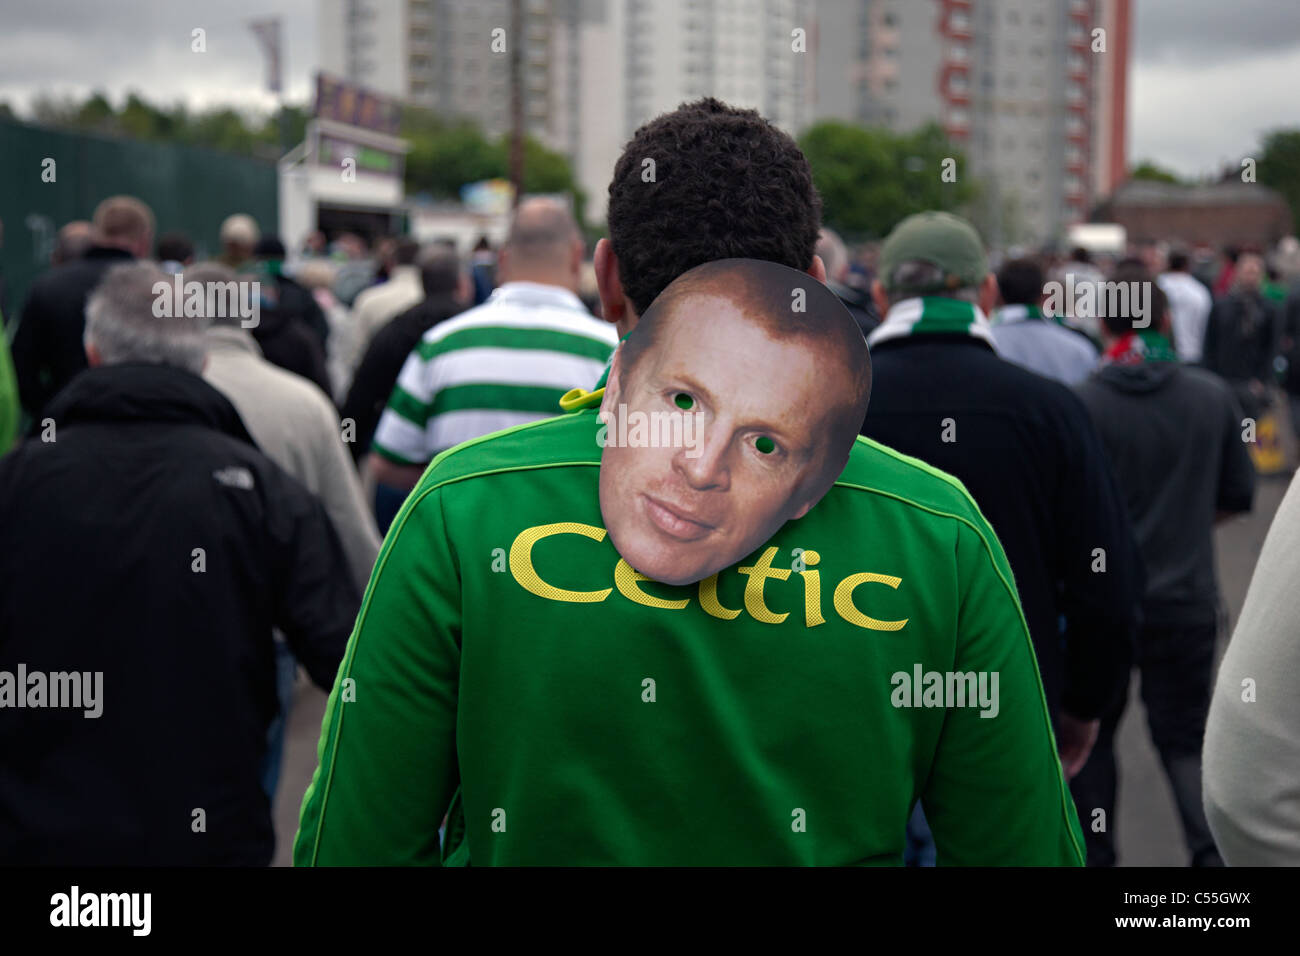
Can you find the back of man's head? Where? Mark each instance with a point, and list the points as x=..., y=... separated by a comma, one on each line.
x=227, y=297
x=439, y=270
x=407, y=251
x=239, y=234
x=134, y=315
x=836, y=257
x=708, y=181
x=933, y=254
x=1021, y=282
x=72, y=241
x=124, y=222
x=1179, y=260
x=269, y=247
x=175, y=247
x=1135, y=301
x=543, y=245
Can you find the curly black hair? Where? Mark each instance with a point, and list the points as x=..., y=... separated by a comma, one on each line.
x=726, y=184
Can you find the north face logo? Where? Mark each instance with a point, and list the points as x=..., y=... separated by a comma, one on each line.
x=235, y=476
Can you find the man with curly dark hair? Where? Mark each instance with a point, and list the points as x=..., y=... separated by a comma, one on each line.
x=705, y=182
x=513, y=673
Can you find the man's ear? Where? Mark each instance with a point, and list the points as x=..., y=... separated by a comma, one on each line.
x=818, y=269
x=988, y=294
x=93, y=358
x=879, y=297
x=613, y=304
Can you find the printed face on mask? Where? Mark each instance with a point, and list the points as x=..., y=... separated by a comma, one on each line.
x=749, y=446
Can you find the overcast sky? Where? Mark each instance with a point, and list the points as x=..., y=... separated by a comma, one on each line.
x=1208, y=76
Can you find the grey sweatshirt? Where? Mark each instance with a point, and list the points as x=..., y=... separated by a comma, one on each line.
x=297, y=427
x=1251, y=758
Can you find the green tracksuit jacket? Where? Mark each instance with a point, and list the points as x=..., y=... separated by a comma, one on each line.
x=575, y=713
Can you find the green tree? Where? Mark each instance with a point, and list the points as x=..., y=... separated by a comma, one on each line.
x=448, y=153
x=870, y=178
x=142, y=120
x=1278, y=166
x=96, y=113
x=1151, y=172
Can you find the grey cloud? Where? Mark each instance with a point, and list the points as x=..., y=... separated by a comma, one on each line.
x=1206, y=32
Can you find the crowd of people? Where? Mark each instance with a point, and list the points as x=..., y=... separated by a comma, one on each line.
x=200, y=499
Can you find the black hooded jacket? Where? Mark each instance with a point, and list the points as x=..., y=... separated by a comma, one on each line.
x=47, y=346
x=1025, y=449
x=287, y=341
x=148, y=539
x=1173, y=434
x=382, y=364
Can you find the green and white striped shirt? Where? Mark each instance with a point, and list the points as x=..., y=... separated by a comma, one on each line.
x=504, y=363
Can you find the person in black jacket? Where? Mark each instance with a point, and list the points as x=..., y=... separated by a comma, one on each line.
x=1174, y=436
x=1242, y=337
x=1026, y=449
x=283, y=334
x=294, y=298
x=149, y=549
x=446, y=292
x=47, y=348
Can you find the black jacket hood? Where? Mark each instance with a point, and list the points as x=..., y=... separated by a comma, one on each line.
x=1146, y=377
x=145, y=393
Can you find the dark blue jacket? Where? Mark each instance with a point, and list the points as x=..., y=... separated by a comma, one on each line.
x=1026, y=449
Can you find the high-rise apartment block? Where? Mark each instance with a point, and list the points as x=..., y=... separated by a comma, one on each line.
x=1033, y=91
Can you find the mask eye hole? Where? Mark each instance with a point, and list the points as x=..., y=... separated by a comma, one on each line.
x=684, y=401
x=765, y=445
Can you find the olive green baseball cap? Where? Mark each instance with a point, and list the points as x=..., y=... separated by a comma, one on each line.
x=942, y=239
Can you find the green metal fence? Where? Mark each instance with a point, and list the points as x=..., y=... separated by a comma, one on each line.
x=190, y=189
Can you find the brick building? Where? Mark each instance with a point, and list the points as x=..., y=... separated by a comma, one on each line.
x=1216, y=214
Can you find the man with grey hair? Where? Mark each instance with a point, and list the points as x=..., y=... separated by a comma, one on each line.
x=187, y=546
x=47, y=348
x=1026, y=449
x=503, y=363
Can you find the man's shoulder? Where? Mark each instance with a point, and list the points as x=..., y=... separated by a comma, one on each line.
x=370, y=295
x=569, y=440
x=62, y=280
x=1201, y=381
x=893, y=477
x=505, y=324
x=1069, y=340
x=253, y=378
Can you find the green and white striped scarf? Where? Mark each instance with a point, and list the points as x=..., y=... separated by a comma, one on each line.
x=932, y=315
